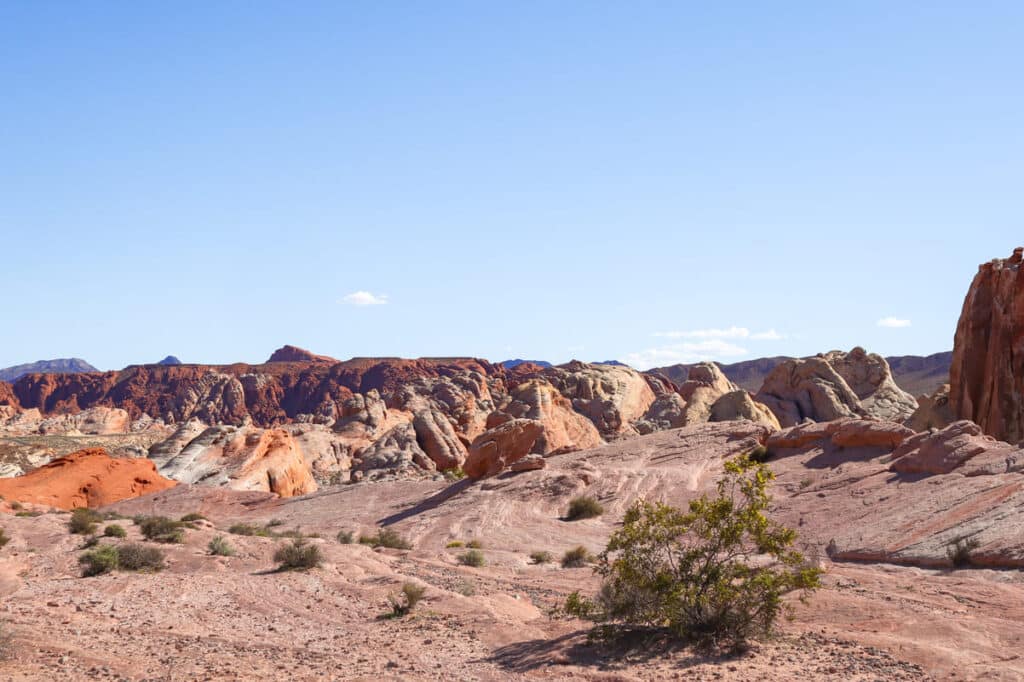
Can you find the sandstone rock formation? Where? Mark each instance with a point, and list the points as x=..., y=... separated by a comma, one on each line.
x=500, y=447
x=933, y=412
x=242, y=458
x=961, y=447
x=295, y=354
x=611, y=396
x=835, y=385
x=565, y=430
x=87, y=478
x=986, y=378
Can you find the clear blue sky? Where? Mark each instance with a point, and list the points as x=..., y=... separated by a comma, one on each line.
x=528, y=179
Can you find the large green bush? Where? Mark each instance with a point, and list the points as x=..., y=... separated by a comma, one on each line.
x=298, y=555
x=715, y=574
x=84, y=521
x=162, y=529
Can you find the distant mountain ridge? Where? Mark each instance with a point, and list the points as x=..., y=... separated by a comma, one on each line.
x=58, y=366
x=509, y=364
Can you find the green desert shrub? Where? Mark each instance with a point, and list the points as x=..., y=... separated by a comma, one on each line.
x=576, y=557
x=219, y=546
x=84, y=521
x=162, y=529
x=192, y=517
x=961, y=550
x=759, y=455
x=298, y=555
x=583, y=507
x=16, y=506
x=386, y=537
x=115, y=531
x=407, y=600
x=541, y=557
x=455, y=544
x=454, y=474
x=690, y=573
x=473, y=557
x=249, y=529
x=346, y=537
x=135, y=556
x=475, y=544
x=103, y=559
x=29, y=514
x=3, y=538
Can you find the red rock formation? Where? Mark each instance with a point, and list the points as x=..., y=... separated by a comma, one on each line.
x=496, y=449
x=986, y=378
x=296, y=354
x=87, y=478
x=7, y=396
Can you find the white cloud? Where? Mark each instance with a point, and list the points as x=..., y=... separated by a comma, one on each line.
x=712, y=349
x=730, y=333
x=770, y=335
x=893, y=323
x=365, y=298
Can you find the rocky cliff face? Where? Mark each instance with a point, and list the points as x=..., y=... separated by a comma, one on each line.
x=987, y=375
x=835, y=385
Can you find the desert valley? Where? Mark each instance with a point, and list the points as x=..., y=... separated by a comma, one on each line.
x=456, y=478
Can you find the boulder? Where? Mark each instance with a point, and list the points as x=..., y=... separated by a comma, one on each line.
x=739, y=405
x=497, y=448
x=438, y=439
x=835, y=385
x=87, y=478
x=985, y=379
x=704, y=386
x=933, y=412
x=565, y=430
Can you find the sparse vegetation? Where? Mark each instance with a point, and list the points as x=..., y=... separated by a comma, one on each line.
x=960, y=551
x=475, y=544
x=758, y=455
x=219, y=546
x=805, y=483
x=473, y=557
x=103, y=559
x=583, y=507
x=90, y=541
x=455, y=544
x=84, y=521
x=16, y=506
x=135, y=556
x=346, y=537
x=688, y=573
x=192, y=518
x=406, y=601
x=5, y=642
x=115, y=531
x=3, y=538
x=273, y=523
x=29, y=514
x=576, y=557
x=454, y=474
x=162, y=529
x=132, y=556
x=264, y=531
x=298, y=555
x=542, y=557
x=386, y=537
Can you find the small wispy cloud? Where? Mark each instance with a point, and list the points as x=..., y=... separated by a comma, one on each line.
x=362, y=298
x=710, y=349
x=726, y=333
x=893, y=323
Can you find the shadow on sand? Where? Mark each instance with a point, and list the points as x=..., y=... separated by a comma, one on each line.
x=428, y=504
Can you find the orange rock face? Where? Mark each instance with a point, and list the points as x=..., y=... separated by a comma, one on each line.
x=986, y=379
x=500, y=447
x=87, y=478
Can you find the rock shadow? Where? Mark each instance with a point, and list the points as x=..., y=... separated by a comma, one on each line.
x=431, y=502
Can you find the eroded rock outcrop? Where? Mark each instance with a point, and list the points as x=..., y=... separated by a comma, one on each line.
x=611, y=396
x=986, y=380
x=500, y=447
x=962, y=448
x=87, y=478
x=933, y=411
x=242, y=458
x=835, y=385
x=565, y=430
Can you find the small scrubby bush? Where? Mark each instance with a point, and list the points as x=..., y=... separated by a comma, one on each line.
x=454, y=474
x=16, y=506
x=5, y=642
x=103, y=559
x=576, y=557
x=219, y=546
x=84, y=521
x=759, y=455
x=690, y=573
x=386, y=537
x=960, y=551
x=404, y=603
x=541, y=557
x=192, y=517
x=272, y=523
x=3, y=538
x=135, y=556
x=473, y=557
x=90, y=541
x=162, y=529
x=115, y=531
x=249, y=529
x=29, y=514
x=298, y=555
x=583, y=507
x=475, y=544
x=455, y=544
x=346, y=537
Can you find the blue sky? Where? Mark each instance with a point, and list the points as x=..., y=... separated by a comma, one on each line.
x=654, y=182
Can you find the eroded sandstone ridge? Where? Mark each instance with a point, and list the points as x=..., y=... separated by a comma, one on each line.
x=987, y=376
x=835, y=385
